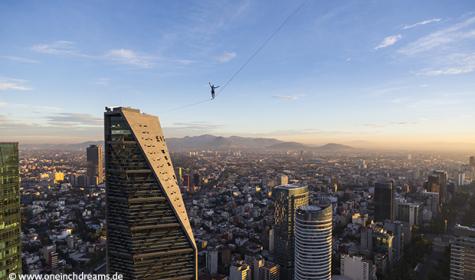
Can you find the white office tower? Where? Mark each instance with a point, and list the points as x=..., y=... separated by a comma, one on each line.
x=212, y=261
x=313, y=243
x=462, y=254
x=240, y=271
x=460, y=179
x=357, y=268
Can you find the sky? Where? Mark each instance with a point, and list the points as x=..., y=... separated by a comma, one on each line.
x=366, y=73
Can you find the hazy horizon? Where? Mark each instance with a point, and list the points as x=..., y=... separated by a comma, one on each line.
x=423, y=146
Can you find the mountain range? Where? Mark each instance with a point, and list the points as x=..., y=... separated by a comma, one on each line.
x=211, y=142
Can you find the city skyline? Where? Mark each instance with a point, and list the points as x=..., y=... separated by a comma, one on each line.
x=238, y=215
x=351, y=73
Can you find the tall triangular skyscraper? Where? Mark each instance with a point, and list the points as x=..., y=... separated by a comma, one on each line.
x=149, y=235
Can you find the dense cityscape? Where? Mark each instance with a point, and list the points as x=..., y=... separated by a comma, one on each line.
x=392, y=215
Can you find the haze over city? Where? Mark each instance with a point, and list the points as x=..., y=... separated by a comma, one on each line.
x=371, y=74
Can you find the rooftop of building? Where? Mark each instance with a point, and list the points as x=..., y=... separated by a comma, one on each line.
x=464, y=230
x=119, y=109
x=289, y=187
x=311, y=208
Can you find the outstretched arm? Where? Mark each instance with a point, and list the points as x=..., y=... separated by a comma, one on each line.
x=209, y=83
x=216, y=87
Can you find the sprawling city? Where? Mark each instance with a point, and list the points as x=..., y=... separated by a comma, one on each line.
x=248, y=140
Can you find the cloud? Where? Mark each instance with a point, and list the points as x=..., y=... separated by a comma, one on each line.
x=102, y=81
x=57, y=48
x=119, y=55
x=453, y=34
x=388, y=41
x=455, y=64
x=37, y=131
x=392, y=124
x=183, y=61
x=128, y=56
x=74, y=120
x=20, y=59
x=8, y=123
x=33, y=108
x=226, y=57
x=424, y=22
x=287, y=97
x=13, y=84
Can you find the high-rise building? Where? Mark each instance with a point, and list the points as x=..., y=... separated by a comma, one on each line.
x=287, y=199
x=313, y=242
x=397, y=229
x=149, y=235
x=240, y=271
x=409, y=212
x=82, y=180
x=95, y=164
x=256, y=264
x=270, y=271
x=51, y=257
x=180, y=176
x=432, y=201
x=379, y=243
x=383, y=202
x=460, y=179
x=10, y=252
x=357, y=267
x=443, y=181
x=462, y=253
x=186, y=181
x=212, y=261
x=471, y=161
x=437, y=182
x=271, y=240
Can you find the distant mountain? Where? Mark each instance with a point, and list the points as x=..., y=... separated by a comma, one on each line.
x=210, y=142
x=288, y=146
x=335, y=147
x=60, y=147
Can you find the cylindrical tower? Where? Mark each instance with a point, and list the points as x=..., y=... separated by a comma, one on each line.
x=313, y=243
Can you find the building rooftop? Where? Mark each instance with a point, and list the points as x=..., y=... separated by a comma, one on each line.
x=464, y=230
x=289, y=186
x=311, y=208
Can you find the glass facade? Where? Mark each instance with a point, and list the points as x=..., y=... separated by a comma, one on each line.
x=383, y=202
x=95, y=164
x=148, y=232
x=287, y=199
x=10, y=252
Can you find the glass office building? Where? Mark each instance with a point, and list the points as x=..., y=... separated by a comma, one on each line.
x=10, y=252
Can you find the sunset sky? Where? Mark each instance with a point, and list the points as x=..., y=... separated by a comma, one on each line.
x=365, y=73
